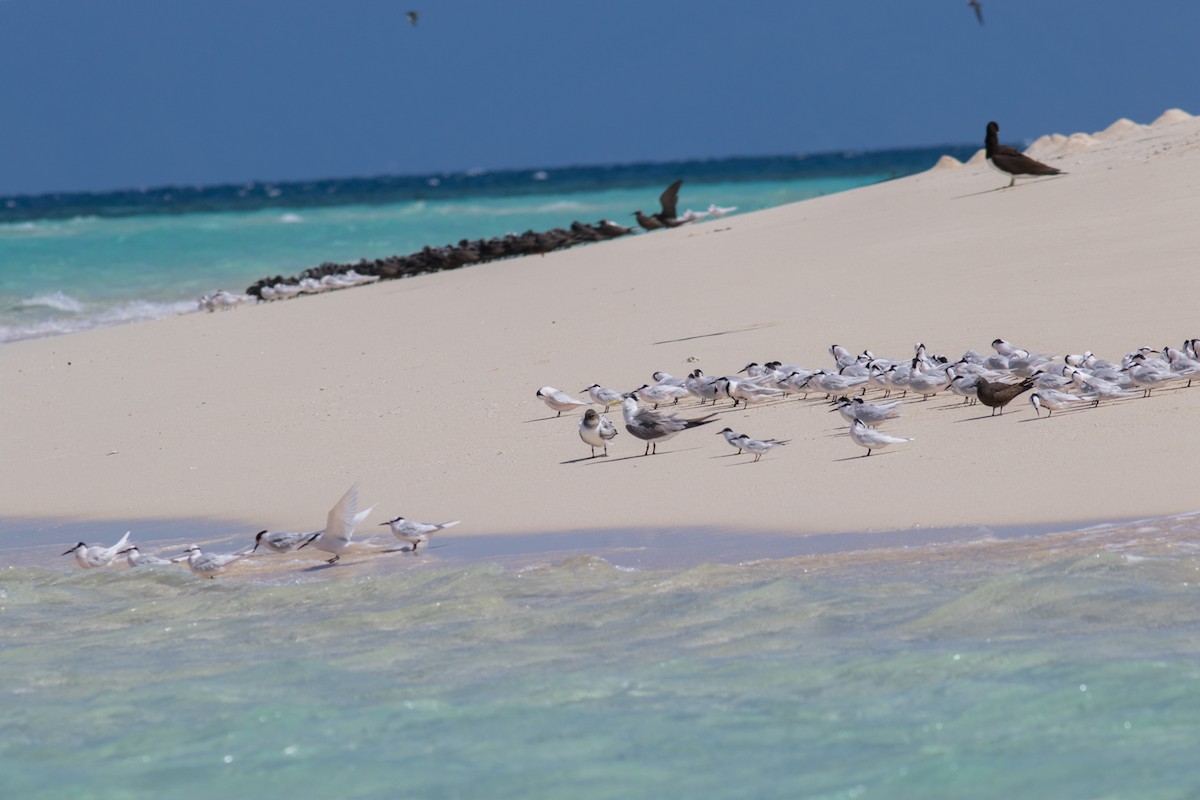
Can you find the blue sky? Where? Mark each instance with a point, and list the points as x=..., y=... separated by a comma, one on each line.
x=102, y=94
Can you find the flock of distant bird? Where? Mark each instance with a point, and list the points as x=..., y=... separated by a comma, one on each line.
x=994, y=380
x=453, y=256
x=336, y=538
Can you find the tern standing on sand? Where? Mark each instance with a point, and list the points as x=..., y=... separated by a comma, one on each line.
x=866, y=436
x=596, y=431
x=559, y=401
x=653, y=427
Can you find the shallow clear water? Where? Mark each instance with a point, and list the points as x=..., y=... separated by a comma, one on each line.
x=1050, y=664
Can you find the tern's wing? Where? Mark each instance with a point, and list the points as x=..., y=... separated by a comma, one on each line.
x=339, y=525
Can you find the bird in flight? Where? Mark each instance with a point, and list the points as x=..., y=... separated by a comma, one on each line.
x=975, y=4
x=413, y=15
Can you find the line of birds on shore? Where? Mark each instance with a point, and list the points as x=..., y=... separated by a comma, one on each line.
x=994, y=381
x=336, y=538
x=452, y=256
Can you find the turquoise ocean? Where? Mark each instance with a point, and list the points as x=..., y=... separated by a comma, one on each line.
x=582, y=664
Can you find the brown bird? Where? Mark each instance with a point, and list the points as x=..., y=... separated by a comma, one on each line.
x=997, y=395
x=667, y=217
x=975, y=4
x=1011, y=160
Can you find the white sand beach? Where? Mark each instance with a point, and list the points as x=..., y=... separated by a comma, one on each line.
x=424, y=389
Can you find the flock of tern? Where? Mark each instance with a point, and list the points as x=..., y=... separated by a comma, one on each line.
x=994, y=380
x=336, y=538
x=222, y=300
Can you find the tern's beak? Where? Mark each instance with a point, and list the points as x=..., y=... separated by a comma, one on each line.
x=72, y=550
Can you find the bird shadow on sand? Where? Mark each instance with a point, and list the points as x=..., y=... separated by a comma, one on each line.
x=865, y=455
x=583, y=459
x=981, y=416
x=719, y=333
x=1006, y=188
x=611, y=460
x=540, y=419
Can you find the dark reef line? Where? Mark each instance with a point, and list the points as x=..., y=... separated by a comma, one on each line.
x=453, y=256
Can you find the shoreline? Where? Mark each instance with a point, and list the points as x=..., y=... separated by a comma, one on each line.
x=676, y=548
x=423, y=389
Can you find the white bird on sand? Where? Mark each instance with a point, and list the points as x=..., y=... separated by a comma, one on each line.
x=747, y=392
x=559, y=401
x=653, y=427
x=223, y=300
x=759, y=447
x=283, y=541
x=833, y=383
x=1149, y=376
x=866, y=436
x=417, y=533
x=210, y=565
x=661, y=393
x=97, y=555
x=1053, y=400
x=603, y=395
x=136, y=558
x=596, y=430
x=338, y=533
x=870, y=413
x=733, y=438
x=702, y=386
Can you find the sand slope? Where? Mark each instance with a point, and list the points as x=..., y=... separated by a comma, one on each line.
x=423, y=389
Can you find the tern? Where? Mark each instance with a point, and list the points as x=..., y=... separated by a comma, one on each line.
x=283, y=541
x=417, y=533
x=559, y=401
x=138, y=559
x=866, y=436
x=210, y=565
x=653, y=427
x=870, y=413
x=603, y=395
x=759, y=447
x=1053, y=400
x=596, y=431
x=661, y=393
x=337, y=535
x=97, y=555
x=733, y=437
